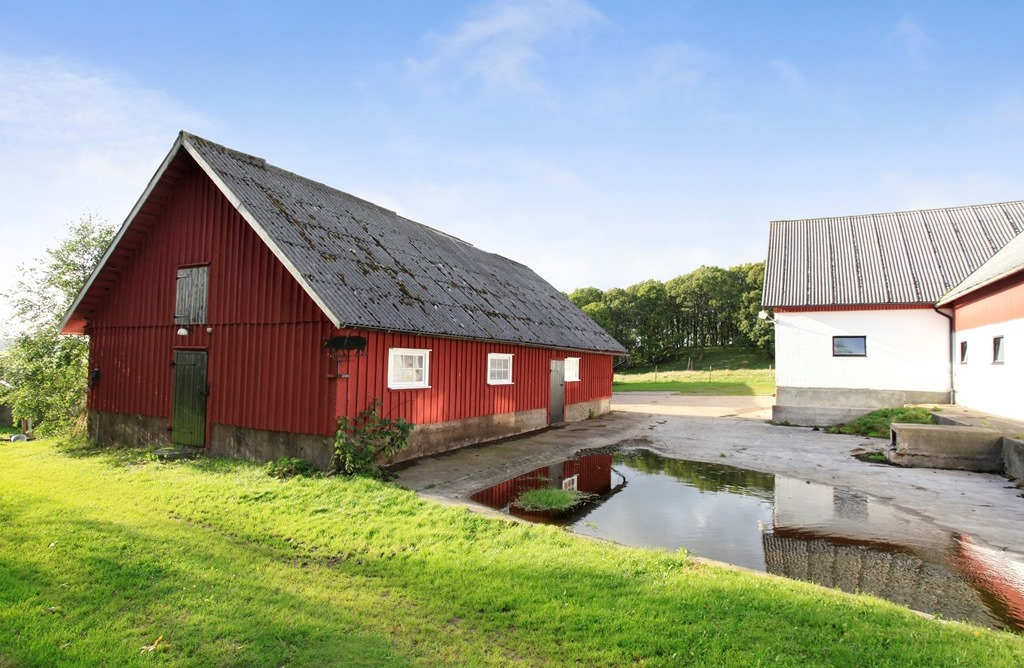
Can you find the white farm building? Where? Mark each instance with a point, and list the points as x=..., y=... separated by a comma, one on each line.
x=897, y=308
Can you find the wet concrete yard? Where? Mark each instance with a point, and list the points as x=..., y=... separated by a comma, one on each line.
x=966, y=516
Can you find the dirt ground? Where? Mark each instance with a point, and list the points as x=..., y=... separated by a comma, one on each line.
x=736, y=431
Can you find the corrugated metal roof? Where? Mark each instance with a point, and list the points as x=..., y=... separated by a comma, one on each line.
x=905, y=257
x=368, y=267
x=1009, y=260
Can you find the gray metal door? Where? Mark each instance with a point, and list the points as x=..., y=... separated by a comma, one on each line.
x=557, y=391
x=188, y=418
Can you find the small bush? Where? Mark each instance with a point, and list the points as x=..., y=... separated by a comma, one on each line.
x=288, y=467
x=361, y=441
x=878, y=423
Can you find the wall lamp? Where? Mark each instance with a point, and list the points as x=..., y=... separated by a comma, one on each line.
x=763, y=315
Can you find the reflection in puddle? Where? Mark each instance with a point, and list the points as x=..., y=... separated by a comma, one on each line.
x=789, y=527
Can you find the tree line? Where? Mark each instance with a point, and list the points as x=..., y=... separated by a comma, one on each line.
x=708, y=307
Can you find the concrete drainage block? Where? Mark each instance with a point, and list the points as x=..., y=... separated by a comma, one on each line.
x=946, y=447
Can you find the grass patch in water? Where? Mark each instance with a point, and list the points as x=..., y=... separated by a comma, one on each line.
x=550, y=499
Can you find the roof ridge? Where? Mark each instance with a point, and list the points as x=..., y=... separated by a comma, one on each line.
x=261, y=162
x=963, y=207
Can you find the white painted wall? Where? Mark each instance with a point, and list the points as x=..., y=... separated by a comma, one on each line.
x=907, y=349
x=988, y=387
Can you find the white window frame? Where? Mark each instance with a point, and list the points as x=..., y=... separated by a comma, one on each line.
x=572, y=369
x=493, y=357
x=394, y=354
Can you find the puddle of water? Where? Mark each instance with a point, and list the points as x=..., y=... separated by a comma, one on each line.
x=785, y=526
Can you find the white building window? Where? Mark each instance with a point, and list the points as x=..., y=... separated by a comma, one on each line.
x=849, y=346
x=963, y=352
x=572, y=369
x=408, y=368
x=997, y=350
x=499, y=368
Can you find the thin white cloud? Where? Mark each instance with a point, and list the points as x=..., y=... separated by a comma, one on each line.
x=673, y=68
x=789, y=74
x=663, y=72
x=913, y=191
x=915, y=41
x=501, y=45
x=76, y=140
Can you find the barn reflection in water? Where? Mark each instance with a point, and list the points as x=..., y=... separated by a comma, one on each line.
x=781, y=525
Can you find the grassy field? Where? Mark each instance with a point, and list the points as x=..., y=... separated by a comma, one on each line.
x=117, y=559
x=722, y=371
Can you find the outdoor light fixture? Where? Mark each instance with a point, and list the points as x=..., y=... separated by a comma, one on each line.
x=763, y=315
x=183, y=331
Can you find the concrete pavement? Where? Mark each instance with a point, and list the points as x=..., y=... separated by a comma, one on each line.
x=987, y=506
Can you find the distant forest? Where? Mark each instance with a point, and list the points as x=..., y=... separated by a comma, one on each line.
x=659, y=322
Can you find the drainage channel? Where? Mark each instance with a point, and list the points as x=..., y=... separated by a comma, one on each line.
x=777, y=524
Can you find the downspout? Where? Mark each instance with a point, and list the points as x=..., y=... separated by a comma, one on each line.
x=952, y=354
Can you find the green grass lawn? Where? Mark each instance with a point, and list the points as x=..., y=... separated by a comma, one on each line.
x=117, y=559
x=722, y=371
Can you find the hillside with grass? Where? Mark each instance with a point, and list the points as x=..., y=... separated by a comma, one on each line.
x=713, y=371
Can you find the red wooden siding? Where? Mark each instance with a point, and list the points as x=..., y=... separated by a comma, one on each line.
x=458, y=379
x=267, y=369
x=1001, y=302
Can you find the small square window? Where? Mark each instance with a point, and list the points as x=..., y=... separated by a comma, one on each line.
x=499, y=369
x=963, y=352
x=849, y=346
x=997, y=350
x=572, y=369
x=191, y=295
x=408, y=368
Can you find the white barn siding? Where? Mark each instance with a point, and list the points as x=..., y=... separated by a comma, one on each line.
x=983, y=385
x=907, y=361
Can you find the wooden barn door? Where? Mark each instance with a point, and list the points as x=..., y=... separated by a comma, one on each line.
x=188, y=419
x=557, y=392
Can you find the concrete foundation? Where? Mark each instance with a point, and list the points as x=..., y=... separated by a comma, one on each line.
x=946, y=447
x=827, y=406
x=1013, y=459
x=260, y=445
x=126, y=429
x=432, y=439
x=264, y=446
x=587, y=409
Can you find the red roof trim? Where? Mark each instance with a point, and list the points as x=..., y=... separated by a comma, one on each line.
x=847, y=307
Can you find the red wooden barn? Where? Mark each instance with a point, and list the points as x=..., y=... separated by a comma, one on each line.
x=243, y=308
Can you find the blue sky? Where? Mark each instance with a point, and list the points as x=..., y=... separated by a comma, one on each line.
x=600, y=143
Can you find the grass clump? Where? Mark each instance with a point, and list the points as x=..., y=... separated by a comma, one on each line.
x=877, y=424
x=289, y=467
x=551, y=499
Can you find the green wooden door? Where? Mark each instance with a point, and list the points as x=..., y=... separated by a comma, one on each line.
x=188, y=419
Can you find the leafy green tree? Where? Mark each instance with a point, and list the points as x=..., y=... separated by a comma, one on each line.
x=651, y=322
x=45, y=373
x=710, y=306
x=583, y=297
x=758, y=333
